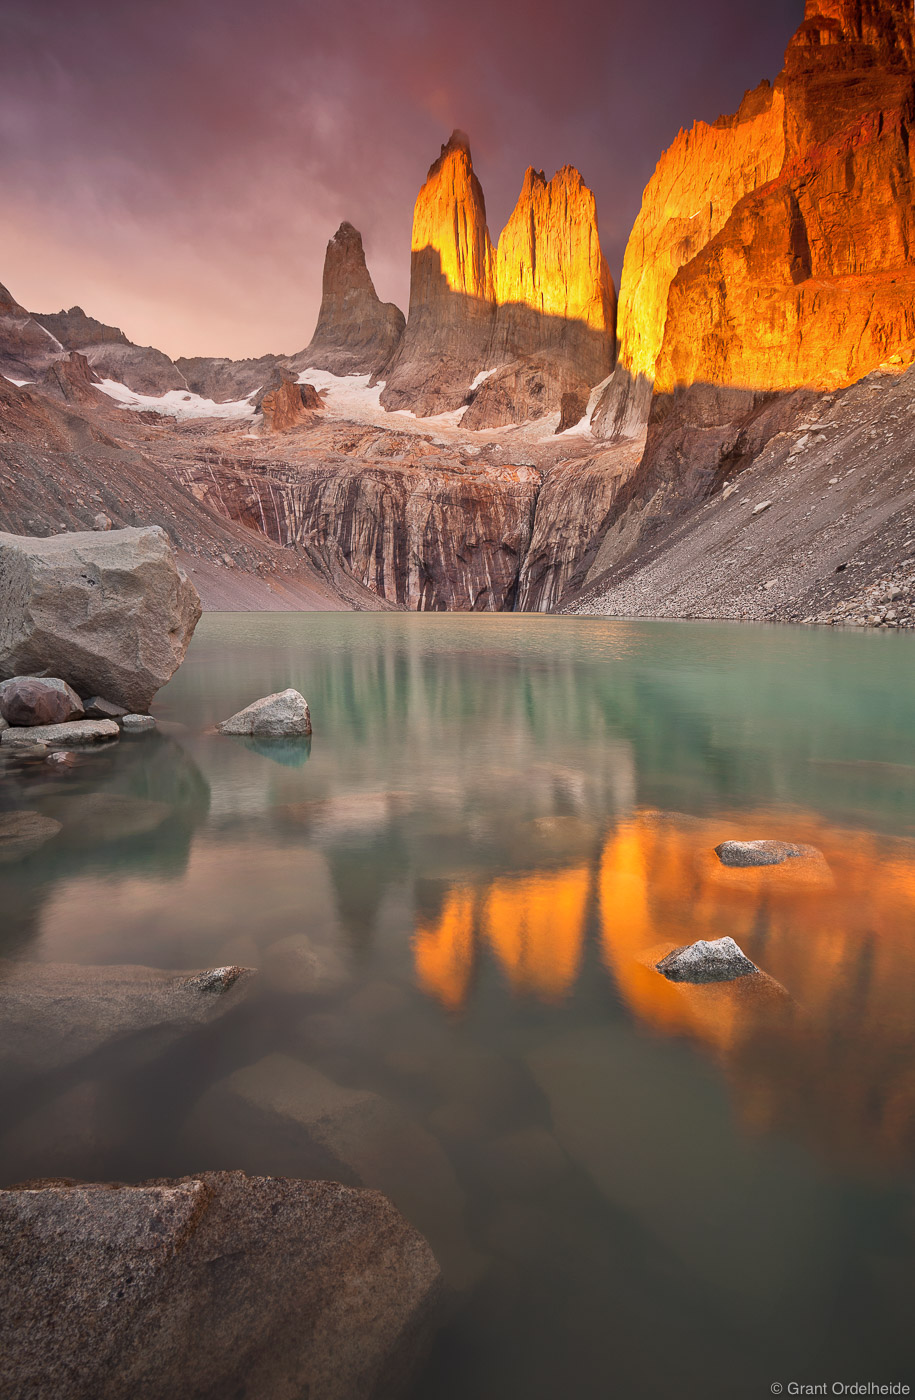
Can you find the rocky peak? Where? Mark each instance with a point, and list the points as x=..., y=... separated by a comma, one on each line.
x=356, y=333
x=544, y=295
x=75, y=330
x=886, y=26
x=9, y=306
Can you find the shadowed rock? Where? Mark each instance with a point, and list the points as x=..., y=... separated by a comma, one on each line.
x=39, y=700
x=209, y=1286
x=356, y=333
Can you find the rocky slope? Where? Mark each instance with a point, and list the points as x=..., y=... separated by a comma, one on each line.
x=508, y=329
x=143, y=368
x=356, y=332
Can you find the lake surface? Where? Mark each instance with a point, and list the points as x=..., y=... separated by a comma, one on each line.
x=455, y=897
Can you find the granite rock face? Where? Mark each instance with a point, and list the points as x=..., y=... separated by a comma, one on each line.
x=545, y=292
x=112, y=613
x=212, y=1285
x=356, y=332
x=224, y=380
x=280, y=716
x=30, y=700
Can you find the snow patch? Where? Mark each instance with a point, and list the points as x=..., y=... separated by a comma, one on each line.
x=18, y=382
x=481, y=378
x=177, y=403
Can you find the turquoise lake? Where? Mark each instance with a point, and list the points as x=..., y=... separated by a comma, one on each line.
x=454, y=896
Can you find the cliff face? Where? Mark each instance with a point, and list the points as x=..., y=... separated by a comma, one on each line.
x=356, y=333
x=807, y=285
x=539, y=309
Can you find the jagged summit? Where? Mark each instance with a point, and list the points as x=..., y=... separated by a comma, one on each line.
x=356, y=333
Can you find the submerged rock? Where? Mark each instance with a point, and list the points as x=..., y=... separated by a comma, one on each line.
x=77, y=731
x=111, y=612
x=55, y=1014
x=39, y=700
x=751, y=853
x=22, y=833
x=278, y=716
x=282, y=1115
x=212, y=1285
x=718, y=961
x=62, y=758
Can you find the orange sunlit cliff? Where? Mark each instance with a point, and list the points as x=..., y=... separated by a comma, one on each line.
x=773, y=248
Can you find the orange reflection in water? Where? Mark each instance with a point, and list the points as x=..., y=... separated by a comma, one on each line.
x=820, y=1045
x=535, y=926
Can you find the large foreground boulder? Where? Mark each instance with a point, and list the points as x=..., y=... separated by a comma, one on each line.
x=211, y=1286
x=110, y=613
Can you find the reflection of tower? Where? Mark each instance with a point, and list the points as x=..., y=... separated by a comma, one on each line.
x=445, y=949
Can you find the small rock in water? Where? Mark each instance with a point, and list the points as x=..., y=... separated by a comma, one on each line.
x=35, y=700
x=215, y=979
x=99, y=708
x=138, y=724
x=62, y=758
x=284, y=714
x=719, y=961
x=749, y=853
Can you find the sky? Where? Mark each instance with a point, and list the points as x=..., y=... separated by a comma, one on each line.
x=176, y=167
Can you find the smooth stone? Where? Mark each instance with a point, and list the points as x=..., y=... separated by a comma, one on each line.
x=752, y=853
x=97, y=707
x=39, y=700
x=138, y=724
x=23, y=833
x=281, y=1115
x=55, y=1014
x=718, y=961
x=278, y=716
x=78, y=731
x=214, y=1285
x=111, y=612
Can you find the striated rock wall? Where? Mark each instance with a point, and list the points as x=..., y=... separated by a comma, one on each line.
x=356, y=333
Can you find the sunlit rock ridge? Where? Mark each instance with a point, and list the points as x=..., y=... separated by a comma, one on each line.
x=509, y=328
x=772, y=249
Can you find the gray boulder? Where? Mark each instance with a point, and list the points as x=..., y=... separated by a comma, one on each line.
x=752, y=853
x=718, y=961
x=214, y=1285
x=33, y=700
x=55, y=1014
x=77, y=731
x=111, y=613
x=279, y=716
x=97, y=707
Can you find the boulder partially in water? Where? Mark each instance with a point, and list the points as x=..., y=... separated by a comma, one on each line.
x=111, y=613
x=76, y=732
x=720, y=960
x=39, y=700
x=280, y=716
x=55, y=1014
x=214, y=1285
